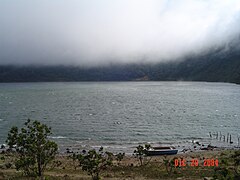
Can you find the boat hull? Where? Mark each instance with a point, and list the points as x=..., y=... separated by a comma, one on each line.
x=161, y=152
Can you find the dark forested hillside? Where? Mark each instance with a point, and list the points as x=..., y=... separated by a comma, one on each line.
x=218, y=66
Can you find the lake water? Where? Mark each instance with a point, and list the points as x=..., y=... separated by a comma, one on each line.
x=120, y=115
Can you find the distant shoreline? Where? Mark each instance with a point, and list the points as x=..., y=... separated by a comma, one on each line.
x=118, y=81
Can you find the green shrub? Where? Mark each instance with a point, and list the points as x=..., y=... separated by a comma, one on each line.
x=95, y=161
x=119, y=157
x=34, y=150
x=140, y=152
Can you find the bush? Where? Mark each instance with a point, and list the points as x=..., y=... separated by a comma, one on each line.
x=229, y=166
x=236, y=158
x=34, y=150
x=140, y=152
x=119, y=157
x=75, y=160
x=169, y=164
x=94, y=162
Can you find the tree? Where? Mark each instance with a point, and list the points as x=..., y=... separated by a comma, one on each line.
x=94, y=162
x=34, y=150
x=140, y=152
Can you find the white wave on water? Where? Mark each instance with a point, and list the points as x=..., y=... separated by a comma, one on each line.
x=57, y=137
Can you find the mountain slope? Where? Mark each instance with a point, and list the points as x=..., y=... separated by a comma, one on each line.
x=220, y=65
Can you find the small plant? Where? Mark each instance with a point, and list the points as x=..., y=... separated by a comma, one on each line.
x=119, y=157
x=8, y=165
x=229, y=167
x=95, y=161
x=55, y=164
x=75, y=160
x=140, y=152
x=222, y=173
x=33, y=149
x=169, y=164
x=236, y=158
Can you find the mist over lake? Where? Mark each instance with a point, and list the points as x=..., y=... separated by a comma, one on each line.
x=119, y=115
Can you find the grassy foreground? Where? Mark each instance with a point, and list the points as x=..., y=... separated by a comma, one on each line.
x=129, y=168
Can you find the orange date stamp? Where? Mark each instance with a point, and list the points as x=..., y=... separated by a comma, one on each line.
x=196, y=162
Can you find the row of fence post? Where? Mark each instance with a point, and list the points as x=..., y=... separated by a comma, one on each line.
x=221, y=137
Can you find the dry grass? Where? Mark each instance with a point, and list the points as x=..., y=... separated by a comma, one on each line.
x=129, y=168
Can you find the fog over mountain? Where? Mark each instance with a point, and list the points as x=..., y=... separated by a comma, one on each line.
x=98, y=32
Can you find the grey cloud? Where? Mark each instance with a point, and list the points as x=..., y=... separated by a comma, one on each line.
x=93, y=32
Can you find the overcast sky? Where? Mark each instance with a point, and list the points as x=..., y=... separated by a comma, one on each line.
x=92, y=32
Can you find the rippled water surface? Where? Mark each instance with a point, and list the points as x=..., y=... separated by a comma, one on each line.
x=121, y=114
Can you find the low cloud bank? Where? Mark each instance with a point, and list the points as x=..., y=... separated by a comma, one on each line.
x=92, y=32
